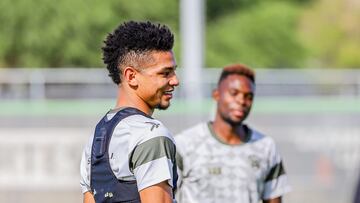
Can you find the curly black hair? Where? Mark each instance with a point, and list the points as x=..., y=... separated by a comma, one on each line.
x=130, y=42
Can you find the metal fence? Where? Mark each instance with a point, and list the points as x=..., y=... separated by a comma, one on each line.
x=313, y=115
x=78, y=83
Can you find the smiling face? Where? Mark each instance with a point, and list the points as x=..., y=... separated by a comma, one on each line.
x=234, y=97
x=157, y=80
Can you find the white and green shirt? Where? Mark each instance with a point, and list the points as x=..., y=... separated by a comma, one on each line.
x=211, y=171
x=140, y=149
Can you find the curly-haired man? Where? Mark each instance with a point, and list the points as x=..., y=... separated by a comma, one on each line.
x=131, y=157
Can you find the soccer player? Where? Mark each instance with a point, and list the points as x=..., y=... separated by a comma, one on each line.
x=131, y=156
x=225, y=160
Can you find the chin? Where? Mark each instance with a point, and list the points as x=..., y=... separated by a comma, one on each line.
x=163, y=106
x=238, y=120
x=234, y=121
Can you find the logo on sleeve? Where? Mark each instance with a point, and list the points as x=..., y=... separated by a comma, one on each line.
x=153, y=125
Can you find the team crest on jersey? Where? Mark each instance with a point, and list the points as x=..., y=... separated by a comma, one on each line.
x=254, y=161
x=214, y=170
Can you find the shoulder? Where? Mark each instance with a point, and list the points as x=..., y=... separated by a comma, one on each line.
x=257, y=136
x=143, y=128
x=261, y=141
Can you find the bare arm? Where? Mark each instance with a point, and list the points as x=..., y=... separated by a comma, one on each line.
x=88, y=197
x=275, y=200
x=160, y=193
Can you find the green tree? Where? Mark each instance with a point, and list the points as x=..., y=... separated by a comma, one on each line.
x=216, y=9
x=262, y=36
x=44, y=33
x=69, y=33
x=330, y=29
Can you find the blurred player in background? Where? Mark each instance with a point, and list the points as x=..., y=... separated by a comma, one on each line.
x=225, y=160
x=131, y=157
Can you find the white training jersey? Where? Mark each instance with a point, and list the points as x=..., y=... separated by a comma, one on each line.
x=140, y=149
x=211, y=171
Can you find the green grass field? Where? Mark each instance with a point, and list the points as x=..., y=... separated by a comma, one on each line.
x=98, y=107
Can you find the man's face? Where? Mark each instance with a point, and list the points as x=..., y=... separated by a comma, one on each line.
x=234, y=98
x=158, y=80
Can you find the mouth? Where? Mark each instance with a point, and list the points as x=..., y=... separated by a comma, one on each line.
x=238, y=112
x=169, y=93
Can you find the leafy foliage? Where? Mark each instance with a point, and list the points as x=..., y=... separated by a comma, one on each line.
x=216, y=9
x=263, y=36
x=331, y=32
x=260, y=33
x=69, y=32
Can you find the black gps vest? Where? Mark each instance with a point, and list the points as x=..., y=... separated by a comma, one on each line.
x=104, y=184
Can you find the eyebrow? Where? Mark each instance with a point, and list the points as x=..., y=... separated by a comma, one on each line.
x=171, y=67
x=236, y=89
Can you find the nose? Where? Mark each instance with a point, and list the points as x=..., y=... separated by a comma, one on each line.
x=240, y=99
x=174, y=81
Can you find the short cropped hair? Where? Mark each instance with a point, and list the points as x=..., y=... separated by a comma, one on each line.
x=131, y=43
x=239, y=69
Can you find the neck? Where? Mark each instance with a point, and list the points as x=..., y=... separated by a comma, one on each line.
x=126, y=99
x=227, y=133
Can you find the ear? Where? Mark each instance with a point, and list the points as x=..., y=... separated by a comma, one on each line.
x=215, y=94
x=129, y=74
